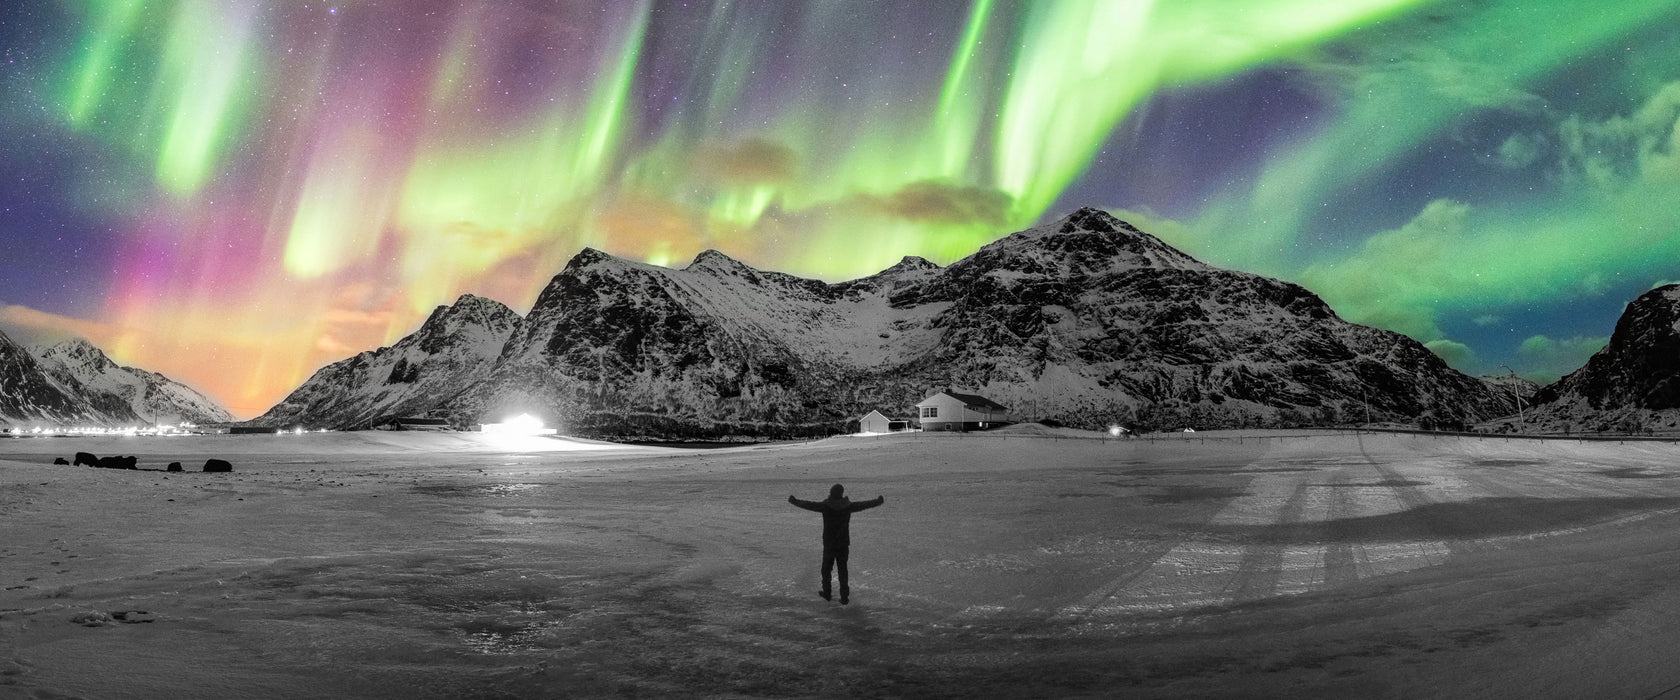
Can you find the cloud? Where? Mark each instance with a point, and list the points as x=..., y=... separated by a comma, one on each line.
x=1521, y=150
x=1549, y=358
x=332, y=346
x=33, y=326
x=754, y=161
x=1457, y=355
x=358, y=317
x=944, y=203
x=651, y=229
x=1613, y=153
x=1397, y=278
x=1452, y=258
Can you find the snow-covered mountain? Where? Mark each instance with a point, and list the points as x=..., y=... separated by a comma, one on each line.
x=28, y=396
x=73, y=383
x=126, y=395
x=456, y=347
x=1086, y=320
x=1631, y=385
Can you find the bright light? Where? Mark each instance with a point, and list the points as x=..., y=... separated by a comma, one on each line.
x=522, y=424
x=1114, y=431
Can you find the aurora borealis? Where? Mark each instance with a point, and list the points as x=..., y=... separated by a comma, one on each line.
x=237, y=192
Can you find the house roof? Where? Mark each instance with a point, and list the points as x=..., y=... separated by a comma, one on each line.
x=970, y=400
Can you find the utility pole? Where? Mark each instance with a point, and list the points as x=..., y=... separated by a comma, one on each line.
x=1514, y=395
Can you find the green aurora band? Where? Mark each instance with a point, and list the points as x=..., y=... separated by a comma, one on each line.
x=449, y=147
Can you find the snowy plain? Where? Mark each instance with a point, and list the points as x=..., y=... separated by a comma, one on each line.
x=1020, y=563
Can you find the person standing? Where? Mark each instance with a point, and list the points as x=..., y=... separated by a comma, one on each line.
x=837, y=513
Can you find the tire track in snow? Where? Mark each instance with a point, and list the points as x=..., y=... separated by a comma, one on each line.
x=1263, y=562
x=1198, y=571
x=1339, y=566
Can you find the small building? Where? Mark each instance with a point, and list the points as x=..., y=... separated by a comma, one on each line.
x=878, y=422
x=947, y=410
x=417, y=423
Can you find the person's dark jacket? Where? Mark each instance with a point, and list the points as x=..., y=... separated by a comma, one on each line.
x=837, y=517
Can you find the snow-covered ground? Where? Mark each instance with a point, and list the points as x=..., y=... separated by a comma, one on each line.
x=1023, y=563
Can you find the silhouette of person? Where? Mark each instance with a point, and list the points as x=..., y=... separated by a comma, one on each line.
x=836, y=534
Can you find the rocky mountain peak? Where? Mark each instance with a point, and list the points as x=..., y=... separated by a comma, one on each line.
x=28, y=394
x=470, y=307
x=1639, y=368
x=1667, y=292
x=97, y=391
x=469, y=315
x=1096, y=220
x=912, y=263
x=710, y=260
x=907, y=274
x=589, y=257
x=456, y=346
x=75, y=351
x=1088, y=241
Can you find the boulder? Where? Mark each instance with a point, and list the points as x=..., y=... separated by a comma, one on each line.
x=61, y=460
x=129, y=462
x=174, y=467
x=87, y=458
x=91, y=618
x=133, y=617
x=217, y=465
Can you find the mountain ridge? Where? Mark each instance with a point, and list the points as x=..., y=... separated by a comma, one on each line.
x=456, y=345
x=1085, y=320
x=75, y=384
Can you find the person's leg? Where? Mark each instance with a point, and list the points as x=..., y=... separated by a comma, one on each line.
x=828, y=572
x=845, y=588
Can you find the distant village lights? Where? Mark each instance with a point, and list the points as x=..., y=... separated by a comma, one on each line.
x=127, y=431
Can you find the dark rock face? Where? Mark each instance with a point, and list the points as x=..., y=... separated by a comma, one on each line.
x=87, y=458
x=1640, y=367
x=1635, y=376
x=174, y=467
x=217, y=465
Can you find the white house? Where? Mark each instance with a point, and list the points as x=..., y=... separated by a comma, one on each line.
x=952, y=411
x=878, y=422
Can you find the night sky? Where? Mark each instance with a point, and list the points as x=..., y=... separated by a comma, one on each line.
x=235, y=193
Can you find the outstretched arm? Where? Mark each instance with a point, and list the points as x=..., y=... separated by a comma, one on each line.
x=866, y=505
x=807, y=505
